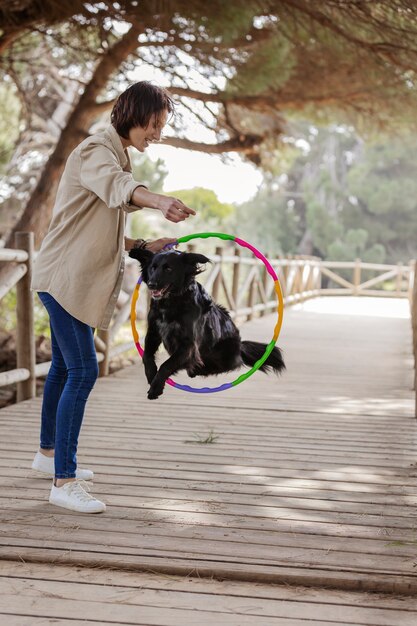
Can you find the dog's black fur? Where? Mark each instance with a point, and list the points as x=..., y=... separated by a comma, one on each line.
x=198, y=334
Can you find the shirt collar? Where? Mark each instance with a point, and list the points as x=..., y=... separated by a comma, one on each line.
x=118, y=146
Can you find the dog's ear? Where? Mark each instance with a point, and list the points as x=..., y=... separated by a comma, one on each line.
x=142, y=255
x=194, y=259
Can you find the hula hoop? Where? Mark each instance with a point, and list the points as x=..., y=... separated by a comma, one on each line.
x=277, y=329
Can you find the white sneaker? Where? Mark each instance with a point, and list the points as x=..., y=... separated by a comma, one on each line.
x=75, y=496
x=45, y=465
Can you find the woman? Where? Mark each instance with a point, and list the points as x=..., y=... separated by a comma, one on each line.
x=79, y=271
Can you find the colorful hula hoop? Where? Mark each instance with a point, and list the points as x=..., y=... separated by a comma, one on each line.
x=277, y=329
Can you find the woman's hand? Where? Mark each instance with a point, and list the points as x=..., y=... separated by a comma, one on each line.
x=173, y=209
x=159, y=244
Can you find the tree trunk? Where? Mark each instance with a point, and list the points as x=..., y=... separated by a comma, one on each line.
x=37, y=213
x=306, y=245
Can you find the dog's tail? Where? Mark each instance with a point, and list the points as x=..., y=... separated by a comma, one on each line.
x=252, y=351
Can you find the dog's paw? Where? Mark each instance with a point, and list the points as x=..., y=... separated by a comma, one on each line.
x=153, y=395
x=154, y=392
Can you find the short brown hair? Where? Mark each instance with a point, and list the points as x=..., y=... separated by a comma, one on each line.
x=135, y=106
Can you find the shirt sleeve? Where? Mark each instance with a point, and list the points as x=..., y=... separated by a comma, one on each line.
x=101, y=173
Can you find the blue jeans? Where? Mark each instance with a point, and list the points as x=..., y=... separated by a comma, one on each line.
x=72, y=375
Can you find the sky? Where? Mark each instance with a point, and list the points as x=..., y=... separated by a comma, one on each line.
x=235, y=181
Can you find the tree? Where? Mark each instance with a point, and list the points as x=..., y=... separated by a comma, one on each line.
x=354, y=246
x=240, y=69
x=212, y=215
x=209, y=208
x=9, y=124
x=269, y=221
x=382, y=185
x=341, y=198
x=152, y=174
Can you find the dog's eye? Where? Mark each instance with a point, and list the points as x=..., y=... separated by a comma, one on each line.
x=167, y=268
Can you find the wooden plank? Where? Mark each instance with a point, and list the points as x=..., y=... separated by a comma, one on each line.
x=127, y=590
x=378, y=279
x=253, y=546
x=110, y=613
x=153, y=460
x=235, y=589
x=249, y=434
x=337, y=279
x=13, y=376
x=10, y=276
x=367, y=539
x=380, y=582
x=9, y=254
x=263, y=477
x=375, y=457
x=390, y=531
x=401, y=507
x=188, y=480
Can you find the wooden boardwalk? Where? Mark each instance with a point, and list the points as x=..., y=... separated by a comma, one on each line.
x=305, y=504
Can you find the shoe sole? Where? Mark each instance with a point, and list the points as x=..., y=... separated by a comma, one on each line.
x=71, y=508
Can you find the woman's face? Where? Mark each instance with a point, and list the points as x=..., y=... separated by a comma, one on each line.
x=140, y=138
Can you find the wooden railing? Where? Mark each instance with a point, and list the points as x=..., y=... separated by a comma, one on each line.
x=19, y=273
x=368, y=279
x=235, y=279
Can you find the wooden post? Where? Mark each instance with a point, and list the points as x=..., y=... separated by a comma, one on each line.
x=310, y=276
x=399, y=280
x=217, y=280
x=251, y=296
x=103, y=366
x=265, y=279
x=301, y=278
x=25, y=336
x=414, y=325
x=356, y=277
x=411, y=280
x=318, y=284
x=235, y=281
x=297, y=280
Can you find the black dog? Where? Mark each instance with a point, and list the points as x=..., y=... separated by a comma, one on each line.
x=198, y=334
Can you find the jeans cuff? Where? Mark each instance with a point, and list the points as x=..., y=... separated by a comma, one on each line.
x=61, y=476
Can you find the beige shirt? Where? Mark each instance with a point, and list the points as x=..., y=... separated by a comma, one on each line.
x=81, y=260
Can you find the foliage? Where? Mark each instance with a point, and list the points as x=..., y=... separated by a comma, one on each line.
x=211, y=213
x=205, y=202
x=243, y=70
x=268, y=221
x=384, y=182
x=9, y=123
x=354, y=246
x=8, y=306
x=266, y=58
x=340, y=199
x=151, y=173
